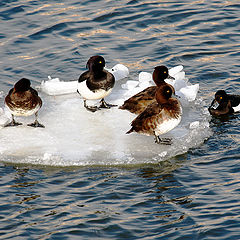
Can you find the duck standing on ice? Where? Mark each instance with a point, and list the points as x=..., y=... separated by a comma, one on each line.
x=137, y=103
x=159, y=117
x=22, y=100
x=96, y=83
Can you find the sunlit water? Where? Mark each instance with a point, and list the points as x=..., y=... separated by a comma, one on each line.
x=82, y=177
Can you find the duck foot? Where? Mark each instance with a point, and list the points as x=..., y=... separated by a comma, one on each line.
x=36, y=124
x=13, y=124
x=165, y=141
x=90, y=108
x=106, y=105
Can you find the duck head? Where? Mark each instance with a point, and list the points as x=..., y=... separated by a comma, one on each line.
x=22, y=85
x=163, y=93
x=96, y=63
x=160, y=73
x=221, y=96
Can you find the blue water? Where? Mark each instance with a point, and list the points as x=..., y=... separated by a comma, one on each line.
x=194, y=195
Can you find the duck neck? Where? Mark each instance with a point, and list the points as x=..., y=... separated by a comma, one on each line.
x=161, y=99
x=158, y=80
x=98, y=74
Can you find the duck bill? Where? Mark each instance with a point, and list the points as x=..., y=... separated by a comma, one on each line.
x=170, y=77
x=214, y=104
x=176, y=96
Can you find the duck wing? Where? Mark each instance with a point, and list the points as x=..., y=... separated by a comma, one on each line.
x=223, y=108
x=138, y=103
x=84, y=76
x=145, y=121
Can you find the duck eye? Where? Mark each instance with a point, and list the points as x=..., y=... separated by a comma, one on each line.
x=165, y=72
x=100, y=61
x=221, y=98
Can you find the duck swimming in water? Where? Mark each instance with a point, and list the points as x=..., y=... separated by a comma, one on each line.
x=138, y=103
x=224, y=103
x=159, y=117
x=96, y=83
x=22, y=100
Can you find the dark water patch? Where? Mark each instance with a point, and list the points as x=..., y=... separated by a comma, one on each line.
x=231, y=24
x=10, y=13
x=2, y=35
x=107, y=17
x=70, y=31
x=22, y=41
x=211, y=74
x=43, y=33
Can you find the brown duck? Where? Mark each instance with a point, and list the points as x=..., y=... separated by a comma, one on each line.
x=160, y=116
x=22, y=100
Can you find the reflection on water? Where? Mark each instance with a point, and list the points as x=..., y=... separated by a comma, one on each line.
x=90, y=208
x=174, y=195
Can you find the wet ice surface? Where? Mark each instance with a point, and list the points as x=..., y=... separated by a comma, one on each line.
x=74, y=136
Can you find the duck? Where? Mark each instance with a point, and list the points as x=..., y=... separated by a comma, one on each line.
x=96, y=83
x=160, y=117
x=23, y=100
x=224, y=103
x=137, y=103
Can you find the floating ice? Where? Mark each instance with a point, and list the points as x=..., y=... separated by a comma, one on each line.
x=133, y=87
x=56, y=87
x=175, y=70
x=75, y=137
x=194, y=125
x=119, y=71
x=53, y=86
x=145, y=77
x=189, y=92
x=130, y=85
x=5, y=117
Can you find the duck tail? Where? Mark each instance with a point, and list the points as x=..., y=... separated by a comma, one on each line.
x=130, y=131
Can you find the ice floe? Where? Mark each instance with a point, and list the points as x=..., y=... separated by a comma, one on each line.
x=74, y=136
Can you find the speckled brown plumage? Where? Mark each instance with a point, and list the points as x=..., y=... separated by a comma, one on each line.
x=163, y=111
x=22, y=100
x=25, y=101
x=138, y=102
